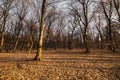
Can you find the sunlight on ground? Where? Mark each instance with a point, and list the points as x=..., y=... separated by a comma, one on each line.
x=60, y=65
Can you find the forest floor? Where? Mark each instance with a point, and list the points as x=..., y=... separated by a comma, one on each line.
x=60, y=65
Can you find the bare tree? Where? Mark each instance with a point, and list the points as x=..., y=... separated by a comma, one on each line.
x=71, y=32
x=49, y=21
x=41, y=25
x=31, y=28
x=60, y=23
x=21, y=12
x=117, y=7
x=99, y=28
x=116, y=33
x=108, y=11
x=81, y=9
x=5, y=9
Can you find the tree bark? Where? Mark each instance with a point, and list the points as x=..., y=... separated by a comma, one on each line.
x=108, y=16
x=87, y=49
x=31, y=45
x=39, y=50
x=2, y=40
x=16, y=43
x=111, y=42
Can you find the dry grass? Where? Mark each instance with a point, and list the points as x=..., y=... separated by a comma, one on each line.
x=60, y=65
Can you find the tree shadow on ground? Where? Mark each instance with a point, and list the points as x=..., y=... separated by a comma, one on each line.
x=10, y=59
x=112, y=73
x=81, y=51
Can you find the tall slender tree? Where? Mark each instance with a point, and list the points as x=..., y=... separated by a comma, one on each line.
x=5, y=7
x=41, y=29
x=80, y=8
x=21, y=12
x=107, y=7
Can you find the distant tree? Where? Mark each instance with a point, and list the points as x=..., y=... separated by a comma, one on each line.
x=49, y=22
x=31, y=29
x=60, y=23
x=20, y=12
x=71, y=32
x=80, y=8
x=117, y=7
x=5, y=7
x=116, y=33
x=99, y=28
x=107, y=7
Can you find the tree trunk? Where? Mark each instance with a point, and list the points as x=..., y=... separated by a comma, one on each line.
x=87, y=49
x=111, y=45
x=16, y=43
x=39, y=50
x=2, y=41
x=101, y=42
x=31, y=45
x=69, y=42
x=111, y=42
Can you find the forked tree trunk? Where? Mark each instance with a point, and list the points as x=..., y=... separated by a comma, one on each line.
x=40, y=41
x=2, y=40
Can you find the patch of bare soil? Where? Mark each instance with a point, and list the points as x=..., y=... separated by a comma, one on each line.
x=60, y=65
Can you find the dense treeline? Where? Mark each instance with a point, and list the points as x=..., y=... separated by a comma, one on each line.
x=83, y=24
